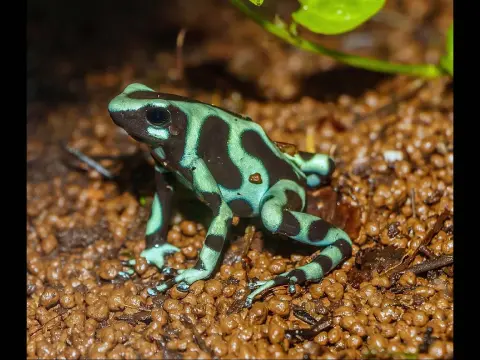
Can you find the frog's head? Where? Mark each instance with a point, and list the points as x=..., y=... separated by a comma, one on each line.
x=148, y=116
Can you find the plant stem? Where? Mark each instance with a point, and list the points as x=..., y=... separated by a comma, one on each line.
x=424, y=70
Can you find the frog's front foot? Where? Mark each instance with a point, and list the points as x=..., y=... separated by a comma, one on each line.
x=183, y=280
x=258, y=287
x=156, y=256
x=126, y=275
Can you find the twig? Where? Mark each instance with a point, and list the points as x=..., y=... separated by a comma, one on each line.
x=426, y=251
x=249, y=234
x=437, y=227
x=411, y=254
x=179, y=59
x=303, y=315
x=90, y=162
x=323, y=325
x=49, y=321
x=432, y=264
x=412, y=199
x=302, y=334
x=196, y=337
x=144, y=316
x=425, y=266
x=427, y=340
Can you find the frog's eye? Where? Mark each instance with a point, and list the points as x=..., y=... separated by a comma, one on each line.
x=158, y=116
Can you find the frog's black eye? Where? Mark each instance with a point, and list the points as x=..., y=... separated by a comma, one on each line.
x=158, y=116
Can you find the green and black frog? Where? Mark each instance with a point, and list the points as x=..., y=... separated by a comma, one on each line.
x=231, y=165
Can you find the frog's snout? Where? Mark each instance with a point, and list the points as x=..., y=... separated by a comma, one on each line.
x=117, y=116
x=125, y=121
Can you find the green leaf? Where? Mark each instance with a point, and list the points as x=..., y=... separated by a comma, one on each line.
x=446, y=62
x=330, y=17
x=257, y=2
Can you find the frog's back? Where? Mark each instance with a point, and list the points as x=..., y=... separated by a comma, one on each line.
x=243, y=160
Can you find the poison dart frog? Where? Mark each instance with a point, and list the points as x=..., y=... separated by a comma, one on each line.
x=231, y=165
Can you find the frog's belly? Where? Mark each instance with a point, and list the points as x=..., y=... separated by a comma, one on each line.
x=245, y=201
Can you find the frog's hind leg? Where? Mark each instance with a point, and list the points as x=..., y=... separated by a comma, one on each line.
x=279, y=218
x=317, y=167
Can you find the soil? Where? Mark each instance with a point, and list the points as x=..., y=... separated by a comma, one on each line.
x=391, y=138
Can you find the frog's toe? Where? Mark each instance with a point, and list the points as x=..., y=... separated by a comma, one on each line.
x=183, y=287
x=189, y=276
x=162, y=287
x=291, y=288
x=152, y=292
x=156, y=255
x=292, y=282
x=168, y=271
x=259, y=287
x=126, y=274
x=264, y=286
x=290, y=278
x=183, y=281
x=252, y=285
x=131, y=262
x=248, y=303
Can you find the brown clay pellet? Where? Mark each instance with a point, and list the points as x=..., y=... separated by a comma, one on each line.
x=257, y=314
x=67, y=301
x=354, y=341
x=189, y=228
x=213, y=287
x=247, y=351
x=49, y=298
x=228, y=324
x=98, y=310
x=277, y=266
x=109, y=269
x=334, y=335
x=317, y=290
x=377, y=342
x=197, y=287
x=276, y=333
x=49, y=243
x=334, y=291
x=279, y=307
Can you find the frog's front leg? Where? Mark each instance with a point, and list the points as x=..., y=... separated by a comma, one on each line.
x=206, y=189
x=157, y=248
x=278, y=217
